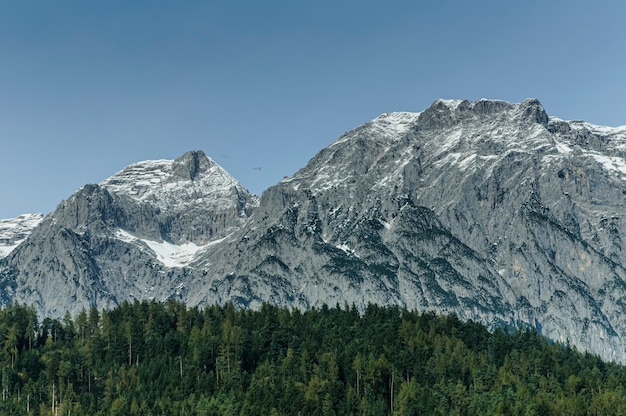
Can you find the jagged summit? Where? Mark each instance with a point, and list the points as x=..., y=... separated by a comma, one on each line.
x=445, y=113
x=192, y=163
x=195, y=199
x=463, y=134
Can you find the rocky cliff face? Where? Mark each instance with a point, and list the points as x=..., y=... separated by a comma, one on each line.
x=491, y=210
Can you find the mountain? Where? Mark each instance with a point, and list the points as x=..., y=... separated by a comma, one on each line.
x=491, y=210
x=126, y=238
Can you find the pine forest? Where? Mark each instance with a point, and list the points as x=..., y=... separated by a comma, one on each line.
x=150, y=358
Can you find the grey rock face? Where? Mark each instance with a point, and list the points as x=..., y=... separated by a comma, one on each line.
x=490, y=210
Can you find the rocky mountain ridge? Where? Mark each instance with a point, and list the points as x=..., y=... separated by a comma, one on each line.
x=491, y=210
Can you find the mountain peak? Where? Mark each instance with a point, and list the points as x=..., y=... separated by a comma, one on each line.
x=192, y=179
x=444, y=113
x=152, y=180
x=443, y=104
x=189, y=165
x=532, y=110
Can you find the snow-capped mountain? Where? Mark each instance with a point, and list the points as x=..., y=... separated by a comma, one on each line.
x=15, y=230
x=487, y=209
x=128, y=237
x=491, y=210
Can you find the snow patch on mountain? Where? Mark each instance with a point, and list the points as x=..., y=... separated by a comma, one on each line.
x=451, y=104
x=602, y=130
x=347, y=249
x=562, y=147
x=612, y=164
x=388, y=126
x=170, y=255
x=15, y=230
x=140, y=179
x=396, y=122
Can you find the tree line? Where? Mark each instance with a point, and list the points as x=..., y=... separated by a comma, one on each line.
x=151, y=358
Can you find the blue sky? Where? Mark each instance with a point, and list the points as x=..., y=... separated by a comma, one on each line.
x=88, y=87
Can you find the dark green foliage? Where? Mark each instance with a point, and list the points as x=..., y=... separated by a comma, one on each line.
x=148, y=358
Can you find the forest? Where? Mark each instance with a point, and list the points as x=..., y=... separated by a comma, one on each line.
x=151, y=358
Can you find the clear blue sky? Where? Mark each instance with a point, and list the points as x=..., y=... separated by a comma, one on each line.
x=88, y=87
